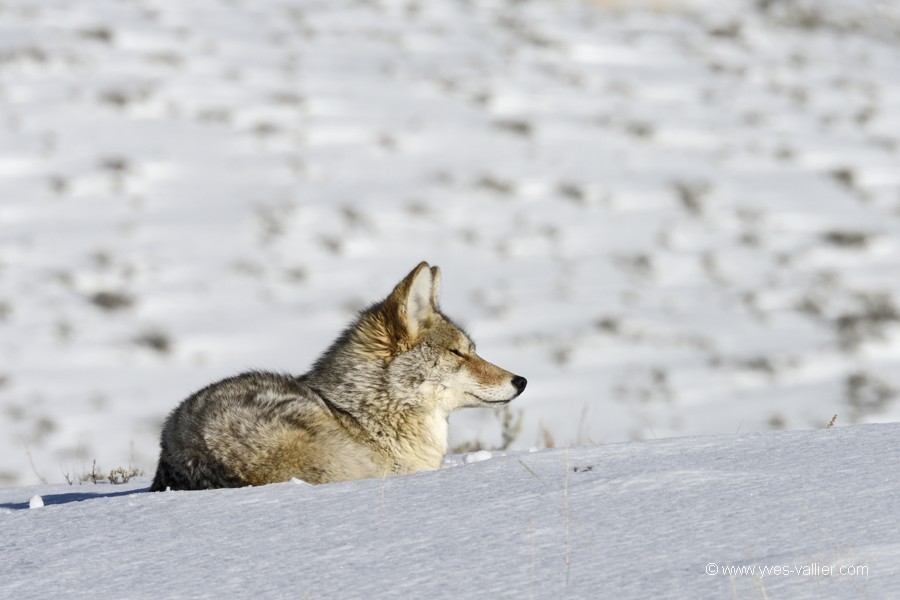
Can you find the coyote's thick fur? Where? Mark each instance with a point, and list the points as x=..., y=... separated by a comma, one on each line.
x=375, y=403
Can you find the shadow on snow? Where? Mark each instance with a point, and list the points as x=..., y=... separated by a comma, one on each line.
x=70, y=497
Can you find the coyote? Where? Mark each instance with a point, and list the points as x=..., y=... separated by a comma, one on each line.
x=374, y=404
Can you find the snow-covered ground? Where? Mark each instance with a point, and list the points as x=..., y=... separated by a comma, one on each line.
x=676, y=219
x=776, y=515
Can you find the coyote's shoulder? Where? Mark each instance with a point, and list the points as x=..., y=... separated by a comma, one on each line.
x=374, y=404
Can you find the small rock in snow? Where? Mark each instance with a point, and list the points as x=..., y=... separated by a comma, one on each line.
x=474, y=457
x=35, y=502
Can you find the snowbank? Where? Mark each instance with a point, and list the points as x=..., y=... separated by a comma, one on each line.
x=812, y=512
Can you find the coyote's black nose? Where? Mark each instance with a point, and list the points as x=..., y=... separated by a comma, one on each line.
x=519, y=383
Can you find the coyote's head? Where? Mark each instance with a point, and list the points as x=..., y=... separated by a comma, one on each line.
x=425, y=355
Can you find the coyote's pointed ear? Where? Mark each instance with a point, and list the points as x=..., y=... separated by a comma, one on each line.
x=410, y=308
x=417, y=300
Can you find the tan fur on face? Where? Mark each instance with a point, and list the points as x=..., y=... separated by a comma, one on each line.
x=486, y=373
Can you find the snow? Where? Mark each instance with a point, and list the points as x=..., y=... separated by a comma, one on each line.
x=477, y=456
x=640, y=520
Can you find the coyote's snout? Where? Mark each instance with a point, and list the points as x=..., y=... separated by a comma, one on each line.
x=375, y=403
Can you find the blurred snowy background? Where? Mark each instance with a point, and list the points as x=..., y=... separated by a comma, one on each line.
x=672, y=217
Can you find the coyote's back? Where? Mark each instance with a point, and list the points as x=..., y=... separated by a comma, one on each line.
x=253, y=429
x=375, y=403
